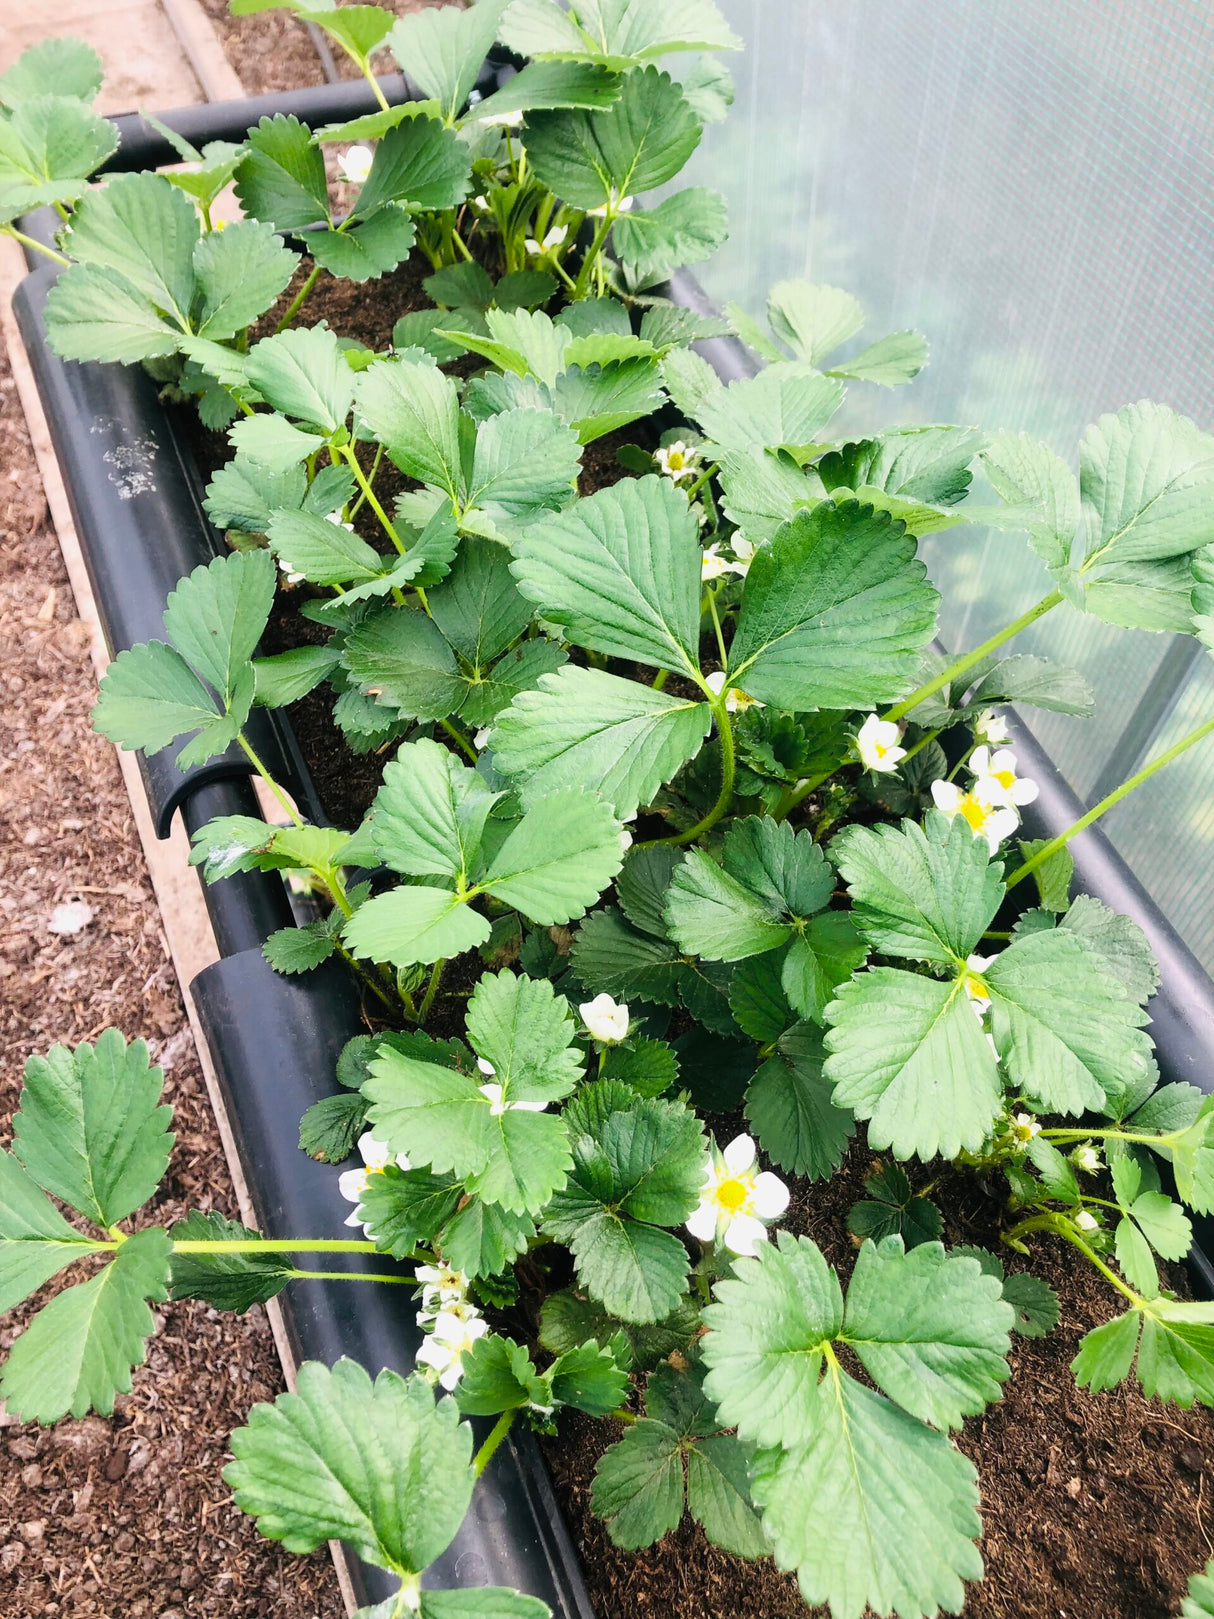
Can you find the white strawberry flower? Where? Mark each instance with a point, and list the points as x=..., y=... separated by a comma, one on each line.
x=495, y=1095
x=504, y=120
x=972, y=983
x=744, y=551
x=1086, y=1221
x=618, y=205
x=288, y=573
x=991, y=727
x=877, y=743
x=554, y=238
x=736, y=700
x=443, y=1289
x=995, y=778
x=355, y=165
x=376, y=1156
x=1025, y=1127
x=338, y=520
x=737, y=1203
x=984, y=819
x=1086, y=1158
x=445, y=1345
x=482, y=736
x=606, y=1020
x=678, y=460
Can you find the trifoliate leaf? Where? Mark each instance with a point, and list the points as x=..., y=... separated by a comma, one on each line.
x=893, y=1210
x=594, y=158
x=1175, y=1352
x=367, y=248
x=786, y=405
x=282, y=180
x=685, y=228
x=927, y=895
x=398, y=1502
x=1063, y=1024
x=420, y=165
x=228, y=1280
x=443, y=50
x=789, y=1104
x=621, y=573
x=91, y=1128
x=77, y=1353
x=638, y=1165
x=35, y=1240
x=908, y=1055
x=498, y=1375
x=412, y=409
x=835, y=612
x=558, y=859
x=584, y=728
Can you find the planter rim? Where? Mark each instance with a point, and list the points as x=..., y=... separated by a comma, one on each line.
x=259, y=1024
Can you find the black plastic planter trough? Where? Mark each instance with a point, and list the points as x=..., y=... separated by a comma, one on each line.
x=135, y=495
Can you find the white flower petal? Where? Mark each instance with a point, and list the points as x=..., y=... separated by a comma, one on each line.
x=374, y=1152
x=739, y=1154
x=350, y=1184
x=744, y=1233
x=486, y=1067
x=947, y=796
x=770, y=1197
x=702, y=1222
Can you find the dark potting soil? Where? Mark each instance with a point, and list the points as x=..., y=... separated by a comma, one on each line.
x=1094, y=1506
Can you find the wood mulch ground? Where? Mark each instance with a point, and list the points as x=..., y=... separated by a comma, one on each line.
x=129, y=1518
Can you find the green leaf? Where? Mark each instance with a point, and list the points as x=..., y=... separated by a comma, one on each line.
x=484, y=1602
x=643, y=881
x=594, y=158
x=835, y=612
x=826, y=955
x=398, y=655
x=1038, y=681
x=1120, y=943
x=620, y=571
x=650, y=1067
x=584, y=728
x=908, y=1055
x=95, y=314
x=240, y=272
x=928, y=895
x=77, y=1353
x=558, y=859
x=324, y=553
x=1175, y=1354
x=299, y=949
x=62, y=67
x=790, y=1109
x=369, y=247
x=762, y=489
x=1035, y=1304
x=619, y=35
x=282, y=180
x=91, y=1129
x=757, y=1000
x=413, y=411
x=1063, y=1024
x=498, y=1375
x=610, y=956
x=149, y=696
x=638, y=1165
x=217, y=615
x=638, y=1485
x=477, y=607
x=1053, y=877
x=443, y=49
x=526, y=462
x=398, y=1502
x=893, y=1210
x=35, y=1240
x=482, y=1239
x=1199, y=1603
x=710, y=913
x=567, y=1320
x=544, y=85
x=244, y=494
x=1040, y=491
x=813, y=320
x=272, y=441
x=929, y=465
x=516, y=671
x=302, y=373
x=786, y=405
x=685, y=228
x=602, y=398
x=420, y=165
x=229, y=1281
x=404, y=1208
x=430, y=813
x=330, y=1128
x=146, y=230
x=868, y=1463
x=889, y=362
x=288, y=676
x=414, y=924
x=1146, y=479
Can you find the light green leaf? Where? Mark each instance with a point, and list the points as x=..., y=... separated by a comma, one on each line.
x=1199, y=1603
x=217, y=615
x=685, y=228
x=420, y=165
x=1147, y=481
x=273, y=441
x=443, y=49
x=762, y=490
x=1040, y=491
x=77, y=1353
x=91, y=1129
x=597, y=400
x=543, y=85
x=282, y=180
x=35, y=1240
x=788, y=404
x=1175, y=1354
x=918, y=464
x=789, y=1107
x=835, y=612
x=1120, y=943
x=324, y=553
x=690, y=381
x=299, y=949
x=368, y=248
x=62, y=67
x=584, y=728
x=908, y=1055
x=93, y=313
x=430, y=813
x=412, y=925
x=149, y=696
x=594, y=158
x=1039, y=681
x=889, y=362
x=558, y=859
x=1066, y=1029
x=710, y=913
x=303, y=1474
x=412, y=409
x=240, y=272
x=619, y=34
x=302, y=373
x=813, y=320
x=928, y=895
x=244, y=494
x=146, y=230
x=620, y=572
x=642, y=886
x=526, y=462
x=526, y=1031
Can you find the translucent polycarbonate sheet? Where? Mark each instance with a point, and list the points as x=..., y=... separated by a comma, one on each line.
x=1031, y=184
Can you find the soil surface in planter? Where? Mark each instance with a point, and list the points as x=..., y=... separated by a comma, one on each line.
x=1094, y=1506
x=275, y=51
x=127, y=1518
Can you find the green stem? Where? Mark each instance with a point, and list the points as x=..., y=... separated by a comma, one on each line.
x=725, y=797
x=794, y=795
x=362, y=499
x=1061, y=1227
x=265, y=775
x=659, y=680
x=458, y=737
x=703, y=479
x=716, y=624
x=298, y=301
x=349, y=1276
x=367, y=74
x=436, y=978
x=496, y=1434
x=600, y=236
x=923, y=741
x=369, y=495
x=963, y=665
x=621, y=1415
x=1115, y=797
x=1108, y=1135
x=29, y=241
x=275, y=1245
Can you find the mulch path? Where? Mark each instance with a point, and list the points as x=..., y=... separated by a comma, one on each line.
x=127, y=1517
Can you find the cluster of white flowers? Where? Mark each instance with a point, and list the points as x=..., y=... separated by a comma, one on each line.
x=452, y=1323
x=736, y=700
x=737, y=1202
x=352, y=1183
x=714, y=565
x=355, y=165
x=990, y=804
x=606, y=1020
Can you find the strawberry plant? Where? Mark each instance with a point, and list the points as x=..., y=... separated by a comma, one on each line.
x=678, y=758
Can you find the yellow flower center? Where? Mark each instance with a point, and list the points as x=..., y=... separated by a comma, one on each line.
x=973, y=985
x=731, y=1194
x=974, y=812
x=880, y=749
x=1005, y=778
